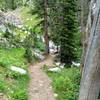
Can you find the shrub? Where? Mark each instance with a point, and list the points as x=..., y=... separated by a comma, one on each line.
x=28, y=55
x=13, y=75
x=3, y=64
x=66, y=83
x=2, y=86
x=19, y=94
x=40, y=45
x=13, y=56
x=13, y=84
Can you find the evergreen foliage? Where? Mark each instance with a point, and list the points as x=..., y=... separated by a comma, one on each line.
x=68, y=35
x=64, y=28
x=10, y=4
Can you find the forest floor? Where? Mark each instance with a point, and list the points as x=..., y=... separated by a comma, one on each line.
x=40, y=84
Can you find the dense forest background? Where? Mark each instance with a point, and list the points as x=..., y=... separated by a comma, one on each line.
x=32, y=30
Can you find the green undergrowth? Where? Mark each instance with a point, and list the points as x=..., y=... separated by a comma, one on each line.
x=13, y=57
x=66, y=83
x=13, y=84
x=28, y=19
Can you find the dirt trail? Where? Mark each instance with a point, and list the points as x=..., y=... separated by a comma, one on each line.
x=40, y=84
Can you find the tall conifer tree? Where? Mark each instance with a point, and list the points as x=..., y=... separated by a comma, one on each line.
x=64, y=28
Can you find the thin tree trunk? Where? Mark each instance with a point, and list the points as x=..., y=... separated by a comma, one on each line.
x=86, y=35
x=82, y=32
x=90, y=83
x=46, y=37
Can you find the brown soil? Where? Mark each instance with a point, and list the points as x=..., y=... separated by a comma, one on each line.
x=40, y=84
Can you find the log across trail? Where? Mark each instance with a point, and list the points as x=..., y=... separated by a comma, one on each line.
x=40, y=84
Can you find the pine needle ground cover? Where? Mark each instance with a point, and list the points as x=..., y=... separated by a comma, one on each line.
x=13, y=84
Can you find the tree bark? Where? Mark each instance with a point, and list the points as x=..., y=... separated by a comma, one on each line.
x=46, y=37
x=90, y=82
x=85, y=32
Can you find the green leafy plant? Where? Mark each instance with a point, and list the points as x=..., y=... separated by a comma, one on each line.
x=13, y=84
x=13, y=75
x=28, y=55
x=66, y=83
x=2, y=86
x=40, y=45
x=19, y=94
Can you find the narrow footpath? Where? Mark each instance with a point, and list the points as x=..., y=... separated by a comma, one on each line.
x=40, y=84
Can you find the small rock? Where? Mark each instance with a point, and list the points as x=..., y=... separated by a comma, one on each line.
x=17, y=69
x=62, y=66
x=39, y=55
x=50, y=87
x=56, y=69
x=57, y=64
x=75, y=64
x=55, y=95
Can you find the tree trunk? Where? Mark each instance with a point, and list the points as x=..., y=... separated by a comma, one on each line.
x=85, y=31
x=46, y=37
x=85, y=24
x=90, y=83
